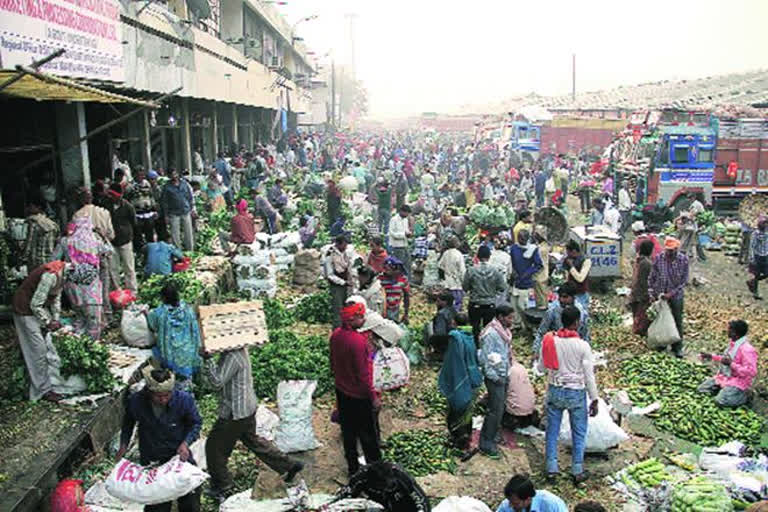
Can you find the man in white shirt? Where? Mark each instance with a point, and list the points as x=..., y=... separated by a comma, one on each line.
x=625, y=207
x=452, y=269
x=612, y=219
x=399, y=231
x=568, y=362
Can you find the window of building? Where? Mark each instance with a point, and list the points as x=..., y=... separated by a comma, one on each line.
x=680, y=154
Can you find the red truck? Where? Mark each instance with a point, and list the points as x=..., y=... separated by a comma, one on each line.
x=741, y=161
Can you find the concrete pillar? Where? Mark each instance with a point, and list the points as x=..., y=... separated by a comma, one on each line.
x=70, y=126
x=146, y=142
x=186, y=142
x=215, y=130
x=252, y=128
x=234, y=125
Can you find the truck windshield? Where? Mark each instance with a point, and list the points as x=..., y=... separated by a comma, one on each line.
x=705, y=155
x=680, y=154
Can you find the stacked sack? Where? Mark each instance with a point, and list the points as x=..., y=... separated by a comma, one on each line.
x=307, y=266
x=257, y=279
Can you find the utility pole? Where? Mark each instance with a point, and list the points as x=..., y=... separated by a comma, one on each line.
x=573, y=79
x=333, y=92
x=341, y=93
x=352, y=17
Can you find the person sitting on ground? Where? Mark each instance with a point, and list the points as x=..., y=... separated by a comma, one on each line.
x=168, y=424
x=522, y=496
x=738, y=367
x=459, y=377
x=442, y=323
x=389, y=485
x=520, y=407
x=378, y=255
x=307, y=230
x=242, y=226
x=397, y=290
x=371, y=290
x=160, y=257
x=177, y=335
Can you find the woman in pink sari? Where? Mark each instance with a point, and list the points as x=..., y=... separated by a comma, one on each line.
x=83, y=286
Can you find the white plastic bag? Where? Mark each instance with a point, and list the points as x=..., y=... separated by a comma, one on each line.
x=602, y=432
x=461, y=504
x=266, y=423
x=134, y=328
x=391, y=369
x=294, y=401
x=133, y=483
x=662, y=331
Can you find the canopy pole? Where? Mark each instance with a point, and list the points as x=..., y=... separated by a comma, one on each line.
x=35, y=65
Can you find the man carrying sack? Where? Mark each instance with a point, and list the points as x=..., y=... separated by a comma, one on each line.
x=669, y=275
x=232, y=377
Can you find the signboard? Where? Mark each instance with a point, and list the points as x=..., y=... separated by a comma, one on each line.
x=687, y=176
x=89, y=31
x=605, y=256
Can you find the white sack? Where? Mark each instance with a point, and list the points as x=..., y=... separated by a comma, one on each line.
x=294, y=401
x=602, y=432
x=134, y=483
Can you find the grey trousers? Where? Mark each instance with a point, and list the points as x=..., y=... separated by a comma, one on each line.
x=35, y=351
x=181, y=223
x=497, y=395
x=123, y=256
x=729, y=396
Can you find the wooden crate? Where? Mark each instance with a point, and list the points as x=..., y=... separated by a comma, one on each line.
x=229, y=326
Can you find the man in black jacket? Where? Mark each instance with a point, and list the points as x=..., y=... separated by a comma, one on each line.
x=124, y=222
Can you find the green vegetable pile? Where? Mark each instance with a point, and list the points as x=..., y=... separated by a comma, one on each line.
x=315, y=308
x=706, y=219
x=421, y=452
x=648, y=473
x=212, y=224
x=685, y=412
x=288, y=356
x=82, y=356
x=603, y=314
x=700, y=495
x=189, y=288
x=277, y=315
x=485, y=215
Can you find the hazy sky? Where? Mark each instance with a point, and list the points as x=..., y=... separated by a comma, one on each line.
x=433, y=55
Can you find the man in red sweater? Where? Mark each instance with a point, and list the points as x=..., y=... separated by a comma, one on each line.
x=356, y=399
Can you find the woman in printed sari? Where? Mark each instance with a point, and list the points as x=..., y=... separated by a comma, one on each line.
x=177, y=336
x=83, y=287
x=458, y=380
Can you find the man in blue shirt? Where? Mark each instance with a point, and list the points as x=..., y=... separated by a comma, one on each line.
x=552, y=322
x=522, y=496
x=225, y=171
x=168, y=425
x=159, y=258
x=526, y=262
x=178, y=204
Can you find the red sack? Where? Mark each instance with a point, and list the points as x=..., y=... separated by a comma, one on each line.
x=68, y=497
x=121, y=298
x=182, y=265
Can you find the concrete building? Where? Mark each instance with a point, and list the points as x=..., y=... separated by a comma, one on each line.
x=240, y=75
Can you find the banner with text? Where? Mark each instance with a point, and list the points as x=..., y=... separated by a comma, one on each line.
x=89, y=31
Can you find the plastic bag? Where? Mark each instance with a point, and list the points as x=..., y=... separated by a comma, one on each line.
x=121, y=298
x=294, y=401
x=68, y=497
x=266, y=423
x=662, y=331
x=602, y=432
x=391, y=369
x=461, y=504
x=134, y=328
x=134, y=483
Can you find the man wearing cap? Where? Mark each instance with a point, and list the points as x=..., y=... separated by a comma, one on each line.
x=669, y=276
x=356, y=398
x=124, y=222
x=168, y=423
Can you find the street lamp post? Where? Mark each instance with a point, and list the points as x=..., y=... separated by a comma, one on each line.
x=293, y=28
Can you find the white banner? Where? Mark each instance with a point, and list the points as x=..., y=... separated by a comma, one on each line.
x=89, y=31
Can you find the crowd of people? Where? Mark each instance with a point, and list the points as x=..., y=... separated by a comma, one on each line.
x=487, y=286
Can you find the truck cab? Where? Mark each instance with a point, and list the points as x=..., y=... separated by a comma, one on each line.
x=524, y=142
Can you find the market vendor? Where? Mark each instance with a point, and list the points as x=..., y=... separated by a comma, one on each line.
x=525, y=262
x=738, y=367
x=566, y=295
x=242, y=226
x=389, y=485
x=340, y=272
x=522, y=496
x=232, y=378
x=667, y=280
x=520, y=405
x=159, y=257
x=168, y=423
x=42, y=234
x=577, y=267
x=641, y=234
x=36, y=309
x=370, y=289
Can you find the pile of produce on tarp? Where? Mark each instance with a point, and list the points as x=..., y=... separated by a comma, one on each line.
x=315, y=308
x=684, y=411
x=700, y=494
x=81, y=356
x=492, y=215
x=421, y=452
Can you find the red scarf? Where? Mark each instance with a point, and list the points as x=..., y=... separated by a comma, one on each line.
x=548, y=350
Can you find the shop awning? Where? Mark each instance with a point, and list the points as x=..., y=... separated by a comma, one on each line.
x=46, y=87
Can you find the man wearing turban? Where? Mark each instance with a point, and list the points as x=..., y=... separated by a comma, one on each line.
x=356, y=398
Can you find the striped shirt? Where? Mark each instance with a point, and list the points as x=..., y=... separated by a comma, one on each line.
x=668, y=276
x=232, y=376
x=758, y=246
x=394, y=289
